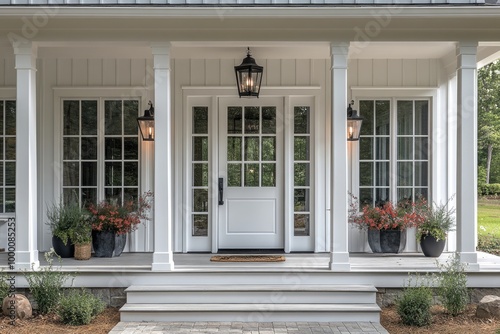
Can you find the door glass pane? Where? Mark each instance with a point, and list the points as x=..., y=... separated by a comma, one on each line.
x=382, y=174
x=89, y=118
x=130, y=174
x=268, y=120
x=234, y=119
x=366, y=174
x=268, y=148
x=89, y=148
x=405, y=174
x=89, y=174
x=234, y=175
x=1, y=175
x=113, y=148
x=200, y=148
x=301, y=148
x=381, y=196
x=10, y=118
x=382, y=148
x=130, y=113
x=405, y=148
x=1, y=134
x=251, y=175
x=382, y=119
x=301, y=174
x=365, y=197
x=251, y=148
x=200, y=175
x=365, y=148
x=252, y=119
x=301, y=119
x=131, y=148
x=366, y=111
x=200, y=200
x=200, y=225
x=421, y=192
x=301, y=225
x=71, y=175
x=421, y=117
x=113, y=174
x=113, y=194
x=233, y=148
x=113, y=117
x=70, y=195
x=405, y=117
x=130, y=194
x=301, y=199
x=89, y=195
x=421, y=148
x=71, y=148
x=71, y=118
x=269, y=175
x=200, y=120
x=421, y=173
x=404, y=194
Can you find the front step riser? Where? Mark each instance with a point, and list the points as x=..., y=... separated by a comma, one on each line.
x=249, y=297
x=256, y=316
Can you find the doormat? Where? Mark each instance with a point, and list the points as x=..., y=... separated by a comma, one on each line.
x=247, y=258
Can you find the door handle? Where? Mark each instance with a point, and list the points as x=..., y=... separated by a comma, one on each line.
x=221, y=191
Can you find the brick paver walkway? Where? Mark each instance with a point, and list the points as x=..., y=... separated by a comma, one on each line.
x=247, y=327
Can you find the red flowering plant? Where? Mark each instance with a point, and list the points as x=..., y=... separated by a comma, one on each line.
x=120, y=218
x=388, y=216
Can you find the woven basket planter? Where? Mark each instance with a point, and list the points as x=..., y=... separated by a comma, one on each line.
x=82, y=251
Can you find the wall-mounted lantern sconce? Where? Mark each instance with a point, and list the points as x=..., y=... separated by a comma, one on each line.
x=248, y=77
x=147, y=123
x=353, y=123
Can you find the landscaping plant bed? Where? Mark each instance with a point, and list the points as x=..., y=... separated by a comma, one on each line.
x=441, y=323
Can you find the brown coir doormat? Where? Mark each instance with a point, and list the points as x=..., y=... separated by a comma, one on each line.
x=247, y=258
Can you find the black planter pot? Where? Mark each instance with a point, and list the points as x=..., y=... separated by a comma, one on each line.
x=64, y=250
x=103, y=243
x=120, y=240
x=386, y=241
x=431, y=247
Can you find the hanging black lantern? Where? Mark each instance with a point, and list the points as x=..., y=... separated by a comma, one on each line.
x=248, y=77
x=147, y=123
x=353, y=123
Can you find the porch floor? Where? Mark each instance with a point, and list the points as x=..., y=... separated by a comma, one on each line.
x=200, y=262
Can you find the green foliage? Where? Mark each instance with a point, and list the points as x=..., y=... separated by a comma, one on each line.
x=489, y=244
x=67, y=220
x=439, y=220
x=46, y=284
x=79, y=307
x=452, y=283
x=492, y=189
x=4, y=285
x=414, y=305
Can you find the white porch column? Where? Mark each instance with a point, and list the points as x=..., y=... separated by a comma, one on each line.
x=163, y=183
x=467, y=153
x=26, y=173
x=339, y=256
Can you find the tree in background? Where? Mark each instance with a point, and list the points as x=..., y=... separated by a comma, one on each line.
x=488, y=119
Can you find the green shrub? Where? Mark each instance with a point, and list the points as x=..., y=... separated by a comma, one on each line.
x=488, y=243
x=414, y=305
x=491, y=189
x=452, y=282
x=46, y=284
x=79, y=307
x=4, y=286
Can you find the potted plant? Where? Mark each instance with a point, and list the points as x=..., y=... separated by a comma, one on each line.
x=386, y=223
x=81, y=236
x=61, y=219
x=432, y=232
x=111, y=221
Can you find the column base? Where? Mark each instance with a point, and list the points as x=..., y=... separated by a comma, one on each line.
x=162, y=261
x=339, y=262
x=469, y=258
x=26, y=260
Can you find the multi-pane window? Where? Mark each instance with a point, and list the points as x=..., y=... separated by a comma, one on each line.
x=200, y=163
x=393, y=151
x=7, y=156
x=302, y=168
x=100, y=150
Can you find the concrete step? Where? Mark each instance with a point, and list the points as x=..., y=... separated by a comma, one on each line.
x=246, y=294
x=251, y=312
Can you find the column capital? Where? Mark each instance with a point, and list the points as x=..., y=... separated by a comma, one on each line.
x=466, y=48
x=26, y=48
x=339, y=48
x=161, y=48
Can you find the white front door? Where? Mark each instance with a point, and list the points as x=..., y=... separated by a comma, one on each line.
x=251, y=173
